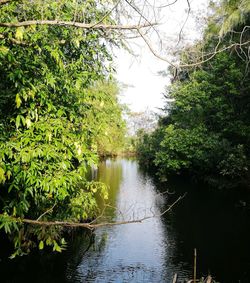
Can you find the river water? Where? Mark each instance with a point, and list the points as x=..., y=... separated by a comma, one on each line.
x=157, y=248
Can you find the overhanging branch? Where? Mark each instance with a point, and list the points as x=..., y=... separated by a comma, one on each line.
x=206, y=57
x=213, y=54
x=76, y=24
x=90, y=225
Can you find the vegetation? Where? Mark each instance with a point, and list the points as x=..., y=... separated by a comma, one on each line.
x=206, y=130
x=138, y=123
x=58, y=111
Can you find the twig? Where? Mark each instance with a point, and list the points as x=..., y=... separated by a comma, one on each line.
x=175, y=278
x=142, y=16
x=167, y=5
x=152, y=49
x=195, y=259
x=171, y=206
x=47, y=211
x=216, y=51
x=107, y=14
x=188, y=13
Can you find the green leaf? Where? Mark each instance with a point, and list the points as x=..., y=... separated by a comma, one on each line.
x=18, y=101
x=4, y=50
x=8, y=174
x=56, y=247
x=19, y=33
x=41, y=245
x=2, y=175
x=28, y=122
x=18, y=121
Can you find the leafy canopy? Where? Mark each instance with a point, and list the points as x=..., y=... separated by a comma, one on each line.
x=58, y=109
x=206, y=129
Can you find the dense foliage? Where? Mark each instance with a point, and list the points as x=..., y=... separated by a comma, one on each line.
x=206, y=130
x=58, y=110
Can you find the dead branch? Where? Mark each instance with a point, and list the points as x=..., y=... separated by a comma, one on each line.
x=90, y=225
x=212, y=54
x=175, y=278
x=137, y=11
x=195, y=264
x=152, y=49
x=76, y=24
x=139, y=29
x=181, y=31
x=167, y=5
x=46, y=212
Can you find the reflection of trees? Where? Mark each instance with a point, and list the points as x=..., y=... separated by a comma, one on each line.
x=207, y=220
x=46, y=267
x=43, y=267
x=110, y=173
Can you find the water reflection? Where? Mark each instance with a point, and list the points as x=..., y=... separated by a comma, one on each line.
x=134, y=252
x=151, y=251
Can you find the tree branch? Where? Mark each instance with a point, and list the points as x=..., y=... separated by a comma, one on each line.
x=76, y=24
x=90, y=225
x=214, y=53
x=2, y=2
x=167, y=5
x=152, y=49
x=107, y=14
x=47, y=211
x=188, y=13
x=211, y=55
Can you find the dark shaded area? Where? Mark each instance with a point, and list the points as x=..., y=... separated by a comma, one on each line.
x=45, y=266
x=217, y=224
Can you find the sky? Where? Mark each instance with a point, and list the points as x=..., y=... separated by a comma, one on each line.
x=140, y=73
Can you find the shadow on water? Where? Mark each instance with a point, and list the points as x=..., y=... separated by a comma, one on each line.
x=41, y=267
x=154, y=250
x=217, y=223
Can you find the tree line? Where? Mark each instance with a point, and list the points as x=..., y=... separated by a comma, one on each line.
x=205, y=129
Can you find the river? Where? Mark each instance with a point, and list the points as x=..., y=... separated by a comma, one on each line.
x=157, y=248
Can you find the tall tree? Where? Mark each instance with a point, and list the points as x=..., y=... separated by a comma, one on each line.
x=55, y=107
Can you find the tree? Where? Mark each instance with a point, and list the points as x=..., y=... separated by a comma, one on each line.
x=206, y=128
x=56, y=80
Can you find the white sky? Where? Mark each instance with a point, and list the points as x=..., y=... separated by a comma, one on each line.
x=141, y=71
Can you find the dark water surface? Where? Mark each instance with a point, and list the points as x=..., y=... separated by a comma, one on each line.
x=151, y=251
